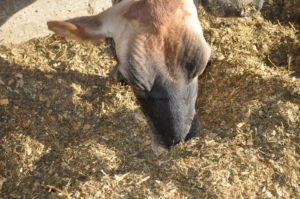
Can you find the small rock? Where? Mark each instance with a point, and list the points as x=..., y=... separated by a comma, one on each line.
x=4, y=102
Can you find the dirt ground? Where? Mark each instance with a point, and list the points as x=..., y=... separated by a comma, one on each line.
x=67, y=130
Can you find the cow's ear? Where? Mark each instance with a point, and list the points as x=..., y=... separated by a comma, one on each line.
x=195, y=54
x=83, y=28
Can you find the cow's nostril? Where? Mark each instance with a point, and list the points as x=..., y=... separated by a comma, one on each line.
x=195, y=128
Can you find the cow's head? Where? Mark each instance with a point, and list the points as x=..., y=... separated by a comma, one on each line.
x=165, y=82
x=161, y=52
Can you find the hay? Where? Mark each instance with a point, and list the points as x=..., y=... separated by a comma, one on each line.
x=68, y=130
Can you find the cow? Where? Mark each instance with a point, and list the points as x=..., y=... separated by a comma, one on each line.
x=161, y=51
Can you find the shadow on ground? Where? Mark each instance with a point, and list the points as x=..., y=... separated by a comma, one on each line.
x=10, y=7
x=71, y=143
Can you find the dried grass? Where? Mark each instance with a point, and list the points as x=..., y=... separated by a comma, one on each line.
x=67, y=130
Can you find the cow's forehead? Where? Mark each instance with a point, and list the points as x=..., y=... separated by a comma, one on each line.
x=155, y=12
